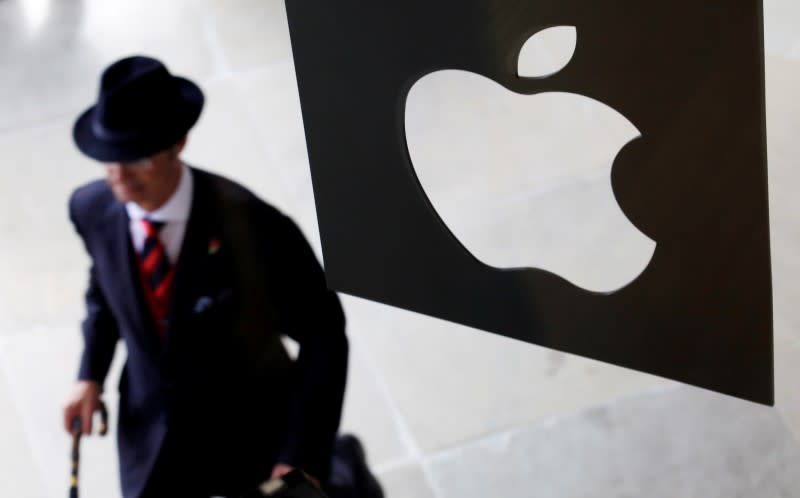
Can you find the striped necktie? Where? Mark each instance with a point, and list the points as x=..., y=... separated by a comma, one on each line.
x=156, y=270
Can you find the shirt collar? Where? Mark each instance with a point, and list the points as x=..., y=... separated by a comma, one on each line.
x=177, y=207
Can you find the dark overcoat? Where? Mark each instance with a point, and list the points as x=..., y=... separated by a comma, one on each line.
x=220, y=383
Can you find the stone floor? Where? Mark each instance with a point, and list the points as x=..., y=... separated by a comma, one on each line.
x=445, y=411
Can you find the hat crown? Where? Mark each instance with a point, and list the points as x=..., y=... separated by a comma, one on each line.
x=141, y=109
x=134, y=92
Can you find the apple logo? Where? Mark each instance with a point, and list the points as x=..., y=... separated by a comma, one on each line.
x=525, y=180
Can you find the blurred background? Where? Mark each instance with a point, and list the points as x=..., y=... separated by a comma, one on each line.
x=445, y=411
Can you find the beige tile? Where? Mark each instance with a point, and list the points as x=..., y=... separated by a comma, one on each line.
x=786, y=292
x=19, y=472
x=667, y=443
x=783, y=125
x=274, y=105
x=44, y=262
x=173, y=31
x=787, y=371
x=48, y=70
x=41, y=365
x=452, y=384
x=781, y=18
x=368, y=414
x=783, y=128
x=250, y=33
x=54, y=52
x=406, y=482
x=42, y=167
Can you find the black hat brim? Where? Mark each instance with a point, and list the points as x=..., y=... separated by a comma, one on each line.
x=166, y=130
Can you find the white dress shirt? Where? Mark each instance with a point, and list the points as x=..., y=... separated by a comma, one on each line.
x=174, y=213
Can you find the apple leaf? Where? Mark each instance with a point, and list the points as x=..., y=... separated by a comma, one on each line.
x=547, y=52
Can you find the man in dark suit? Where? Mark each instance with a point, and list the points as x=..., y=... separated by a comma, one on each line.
x=200, y=278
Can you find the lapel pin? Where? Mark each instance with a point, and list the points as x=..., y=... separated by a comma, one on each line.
x=214, y=246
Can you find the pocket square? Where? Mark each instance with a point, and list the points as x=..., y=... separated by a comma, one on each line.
x=204, y=303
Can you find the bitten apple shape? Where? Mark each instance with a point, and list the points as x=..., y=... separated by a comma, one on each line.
x=525, y=180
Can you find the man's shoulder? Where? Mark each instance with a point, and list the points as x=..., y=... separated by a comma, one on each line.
x=236, y=196
x=90, y=198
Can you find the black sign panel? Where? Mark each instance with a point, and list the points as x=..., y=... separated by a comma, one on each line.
x=689, y=74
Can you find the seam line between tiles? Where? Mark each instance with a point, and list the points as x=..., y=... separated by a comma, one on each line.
x=545, y=422
x=35, y=455
x=395, y=464
x=404, y=430
x=263, y=134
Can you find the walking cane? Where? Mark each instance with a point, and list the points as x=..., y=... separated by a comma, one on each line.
x=76, y=439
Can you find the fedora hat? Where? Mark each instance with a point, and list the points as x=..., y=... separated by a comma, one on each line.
x=141, y=109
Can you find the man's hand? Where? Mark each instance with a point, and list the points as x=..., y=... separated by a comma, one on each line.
x=82, y=402
x=282, y=469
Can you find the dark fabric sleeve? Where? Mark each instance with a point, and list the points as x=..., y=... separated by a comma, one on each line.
x=100, y=335
x=100, y=332
x=310, y=314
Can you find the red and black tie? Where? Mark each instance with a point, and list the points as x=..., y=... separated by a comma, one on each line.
x=157, y=272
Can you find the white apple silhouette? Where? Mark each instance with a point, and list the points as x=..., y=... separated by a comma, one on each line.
x=525, y=180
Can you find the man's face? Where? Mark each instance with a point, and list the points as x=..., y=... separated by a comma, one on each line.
x=148, y=182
